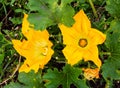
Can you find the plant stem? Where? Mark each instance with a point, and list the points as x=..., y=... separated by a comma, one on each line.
x=105, y=53
x=93, y=8
x=108, y=84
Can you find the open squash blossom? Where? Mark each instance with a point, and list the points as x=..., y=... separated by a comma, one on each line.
x=81, y=40
x=36, y=49
x=91, y=73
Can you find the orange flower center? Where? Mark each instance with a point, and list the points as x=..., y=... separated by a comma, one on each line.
x=83, y=42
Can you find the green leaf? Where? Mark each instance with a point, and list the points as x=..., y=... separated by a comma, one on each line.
x=42, y=18
x=68, y=76
x=113, y=7
x=39, y=6
x=33, y=6
x=40, y=22
x=31, y=79
x=111, y=66
x=52, y=3
x=67, y=17
x=65, y=2
x=50, y=12
x=16, y=20
x=12, y=2
x=14, y=85
x=27, y=80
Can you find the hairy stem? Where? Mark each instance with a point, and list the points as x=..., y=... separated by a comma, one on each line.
x=93, y=8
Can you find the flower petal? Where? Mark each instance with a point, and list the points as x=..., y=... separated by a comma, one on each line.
x=26, y=67
x=91, y=73
x=37, y=35
x=20, y=47
x=26, y=29
x=69, y=35
x=82, y=23
x=91, y=54
x=96, y=36
x=72, y=54
x=34, y=63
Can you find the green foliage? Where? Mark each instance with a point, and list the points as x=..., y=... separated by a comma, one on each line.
x=113, y=7
x=5, y=52
x=3, y=43
x=16, y=20
x=68, y=76
x=45, y=13
x=14, y=85
x=27, y=80
x=111, y=66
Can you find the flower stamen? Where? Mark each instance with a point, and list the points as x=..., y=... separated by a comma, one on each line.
x=83, y=42
x=45, y=51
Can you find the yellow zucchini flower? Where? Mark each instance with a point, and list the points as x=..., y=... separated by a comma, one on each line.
x=36, y=48
x=81, y=40
x=91, y=73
